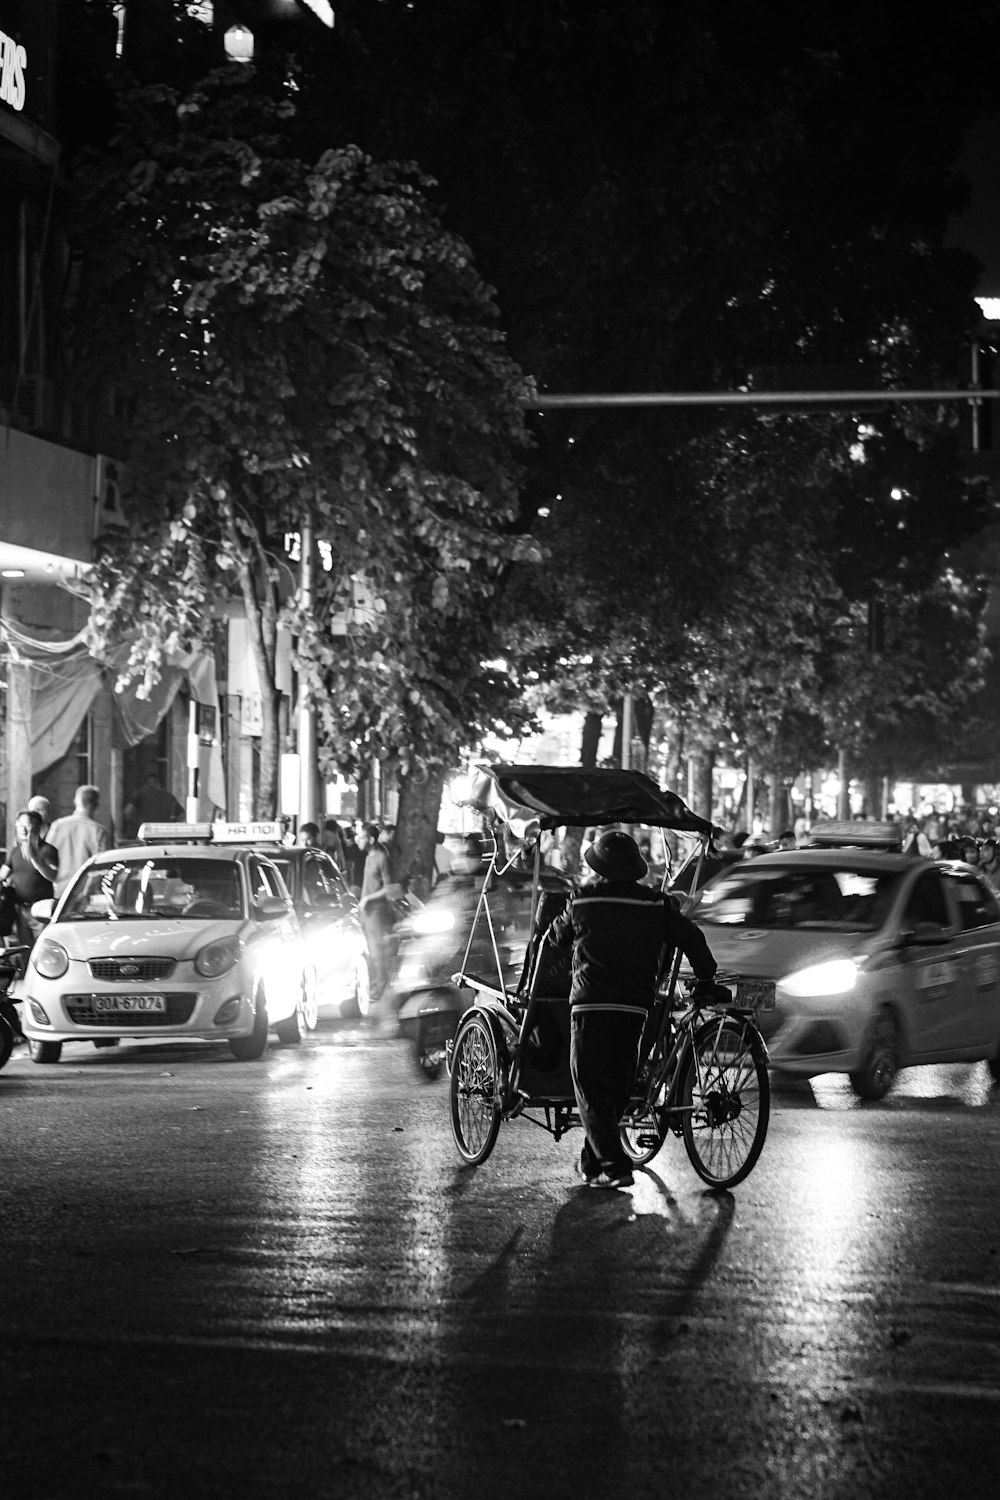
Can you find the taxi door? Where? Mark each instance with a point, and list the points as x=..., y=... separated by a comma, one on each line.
x=977, y=949
x=932, y=974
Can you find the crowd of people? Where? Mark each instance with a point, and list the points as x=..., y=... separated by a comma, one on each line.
x=47, y=853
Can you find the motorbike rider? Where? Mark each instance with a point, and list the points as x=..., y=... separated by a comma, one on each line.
x=617, y=929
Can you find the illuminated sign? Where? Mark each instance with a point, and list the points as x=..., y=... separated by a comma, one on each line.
x=13, y=61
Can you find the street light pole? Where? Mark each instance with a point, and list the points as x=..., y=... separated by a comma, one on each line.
x=845, y=399
x=306, y=715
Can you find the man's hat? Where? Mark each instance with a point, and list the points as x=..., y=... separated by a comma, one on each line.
x=615, y=855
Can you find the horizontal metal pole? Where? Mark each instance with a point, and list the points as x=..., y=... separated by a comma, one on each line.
x=754, y=398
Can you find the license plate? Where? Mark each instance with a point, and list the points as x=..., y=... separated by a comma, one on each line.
x=129, y=1005
x=755, y=994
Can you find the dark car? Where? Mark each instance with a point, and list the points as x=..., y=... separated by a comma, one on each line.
x=335, y=943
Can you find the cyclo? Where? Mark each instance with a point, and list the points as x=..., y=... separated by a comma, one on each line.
x=702, y=1071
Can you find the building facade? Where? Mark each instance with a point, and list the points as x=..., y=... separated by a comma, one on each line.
x=60, y=484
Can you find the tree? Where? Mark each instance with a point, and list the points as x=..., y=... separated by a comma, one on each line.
x=677, y=197
x=294, y=340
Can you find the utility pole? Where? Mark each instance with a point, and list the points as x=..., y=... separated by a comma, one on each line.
x=306, y=715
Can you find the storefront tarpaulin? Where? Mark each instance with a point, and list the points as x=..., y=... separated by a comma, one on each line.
x=139, y=717
x=65, y=679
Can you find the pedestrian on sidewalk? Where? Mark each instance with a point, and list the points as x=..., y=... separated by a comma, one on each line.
x=30, y=872
x=78, y=836
x=379, y=893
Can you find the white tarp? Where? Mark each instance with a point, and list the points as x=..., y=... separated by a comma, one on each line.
x=65, y=679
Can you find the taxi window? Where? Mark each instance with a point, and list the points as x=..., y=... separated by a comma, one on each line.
x=173, y=886
x=976, y=903
x=318, y=879
x=783, y=897
x=265, y=882
x=926, y=902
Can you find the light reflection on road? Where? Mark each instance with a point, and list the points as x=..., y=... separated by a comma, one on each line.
x=962, y=1085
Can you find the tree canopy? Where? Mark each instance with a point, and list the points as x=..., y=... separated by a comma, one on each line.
x=712, y=198
x=298, y=341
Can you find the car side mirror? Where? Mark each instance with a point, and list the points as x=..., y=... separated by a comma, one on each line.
x=42, y=910
x=925, y=935
x=270, y=909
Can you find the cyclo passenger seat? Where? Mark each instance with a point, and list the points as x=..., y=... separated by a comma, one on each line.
x=545, y=985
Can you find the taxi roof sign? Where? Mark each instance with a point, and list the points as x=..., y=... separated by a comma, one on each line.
x=855, y=833
x=174, y=833
x=251, y=832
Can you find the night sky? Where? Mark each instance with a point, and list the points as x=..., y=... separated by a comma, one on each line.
x=978, y=230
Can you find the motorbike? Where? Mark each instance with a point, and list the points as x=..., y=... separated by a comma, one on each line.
x=12, y=961
x=450, y=932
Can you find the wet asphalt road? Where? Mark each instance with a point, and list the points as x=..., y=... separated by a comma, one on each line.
x=277, y=1279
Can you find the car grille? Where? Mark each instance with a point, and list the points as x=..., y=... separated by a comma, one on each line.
x=131, y=970
x=80, y=1009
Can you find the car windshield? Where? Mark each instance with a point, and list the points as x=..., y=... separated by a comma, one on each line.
x=161, y=887
x=780, y=897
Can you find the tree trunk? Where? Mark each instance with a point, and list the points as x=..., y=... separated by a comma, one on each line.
x=262, y=624
x=643, y=710
x=591, y=739
x=416, y=830
x=704, y=766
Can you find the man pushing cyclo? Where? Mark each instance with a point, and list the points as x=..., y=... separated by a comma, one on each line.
x=617, y=930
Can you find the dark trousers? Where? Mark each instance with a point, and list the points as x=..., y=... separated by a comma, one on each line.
x=603, y=1056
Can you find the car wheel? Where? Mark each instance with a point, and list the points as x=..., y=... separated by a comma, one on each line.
x=360, y=1002
x=45, y=1052
x=993, y=1063
x=309, y=1003
x=875, y=1078
x=288, y=1031
x=249, y=1048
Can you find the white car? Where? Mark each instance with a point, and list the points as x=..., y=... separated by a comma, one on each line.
x=881, y=960
x=192, y=938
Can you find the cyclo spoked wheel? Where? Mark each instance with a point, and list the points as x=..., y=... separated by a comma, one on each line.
x=476, y=1089
x=644, y=1128
x=725, y=1098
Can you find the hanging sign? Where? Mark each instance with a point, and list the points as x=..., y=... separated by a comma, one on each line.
x=13, y=63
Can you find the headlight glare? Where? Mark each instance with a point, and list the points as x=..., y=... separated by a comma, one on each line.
x=433, y=919
x=837, y=976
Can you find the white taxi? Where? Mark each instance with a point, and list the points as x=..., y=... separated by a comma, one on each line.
x=881, y=960
x=187, y=934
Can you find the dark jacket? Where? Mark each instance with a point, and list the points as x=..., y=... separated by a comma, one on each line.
x=617, y=933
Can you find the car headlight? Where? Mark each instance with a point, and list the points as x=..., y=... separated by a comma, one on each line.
x=412, y=972
x=837, y=976
x=433, y=919
x=50, y=959
x=218, y=957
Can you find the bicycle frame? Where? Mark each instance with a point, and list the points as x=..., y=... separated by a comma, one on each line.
x=663, y=1065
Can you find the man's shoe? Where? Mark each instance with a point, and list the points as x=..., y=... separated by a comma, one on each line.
x=612, y=1180
x=587, y=1178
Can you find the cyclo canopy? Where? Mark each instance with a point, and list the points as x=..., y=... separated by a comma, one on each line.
x=568, y=796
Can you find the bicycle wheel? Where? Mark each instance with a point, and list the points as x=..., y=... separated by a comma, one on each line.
x=644, y=1127
x=476, y=1089
x=725, y=1099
